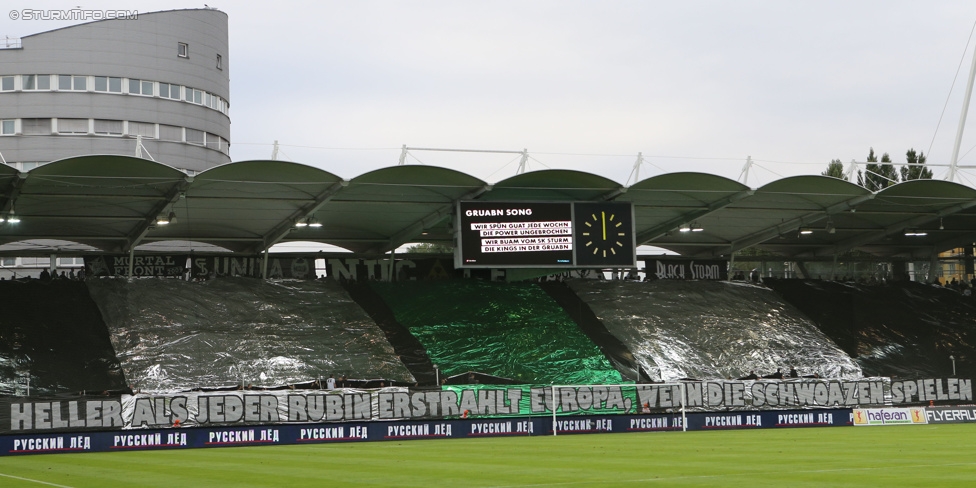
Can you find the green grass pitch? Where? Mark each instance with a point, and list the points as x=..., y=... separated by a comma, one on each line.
x=943, y=455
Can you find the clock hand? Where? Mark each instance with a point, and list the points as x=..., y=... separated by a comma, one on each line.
x=604, y=216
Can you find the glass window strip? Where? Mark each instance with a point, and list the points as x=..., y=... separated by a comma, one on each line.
x=112, y=84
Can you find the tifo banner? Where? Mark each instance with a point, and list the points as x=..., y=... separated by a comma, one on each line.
x=350, y=405
x=950, y=415
x=158, y=265
x=889, y=416
x=180, y=438
x=431, y=268
x=357, y=269
x=183, y=265
x=345, y=268
x=685, y=269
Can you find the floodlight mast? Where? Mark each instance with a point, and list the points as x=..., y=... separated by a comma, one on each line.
x=744, y=175
x=635, y=173
x=962, y=121
x=522, y=163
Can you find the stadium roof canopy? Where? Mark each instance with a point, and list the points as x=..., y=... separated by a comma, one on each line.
x=111, y=203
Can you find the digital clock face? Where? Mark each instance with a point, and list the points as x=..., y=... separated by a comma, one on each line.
x=605, y=234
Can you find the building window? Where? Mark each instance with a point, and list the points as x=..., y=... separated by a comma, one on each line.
x=220, y=62
x=170, y=133
x=8, y=127
x=36, y=82
x=108, y=84
x=213, y=141
x=36, y=127
x=182, y=50
x=72, y=126
x=167, y=90
x=69, y=82
x=108, y=127
x=7, y=83
x=194, y=96
x=146, y=130
x=194, y=137
x=140, y=87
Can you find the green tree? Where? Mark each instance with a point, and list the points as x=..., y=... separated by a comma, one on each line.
x=835, y=169
x=430, y=248
x=912, y=172
x=888, y=171
x=867, y=178
x=879, y=176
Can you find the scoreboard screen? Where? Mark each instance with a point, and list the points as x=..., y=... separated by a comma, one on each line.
x=544, y=234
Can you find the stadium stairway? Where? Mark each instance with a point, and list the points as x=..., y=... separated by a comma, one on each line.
x=581, y=313
x=411, y=352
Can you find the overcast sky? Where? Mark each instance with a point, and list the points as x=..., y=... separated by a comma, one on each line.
x=586, y=85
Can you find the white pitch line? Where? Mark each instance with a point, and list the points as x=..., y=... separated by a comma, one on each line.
x=34, y=481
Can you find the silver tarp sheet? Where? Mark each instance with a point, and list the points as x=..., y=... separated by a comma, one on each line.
x=173, y=335
x=712, y=329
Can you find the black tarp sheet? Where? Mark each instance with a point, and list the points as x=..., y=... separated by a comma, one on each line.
x=902, y=329
x=52, y=333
